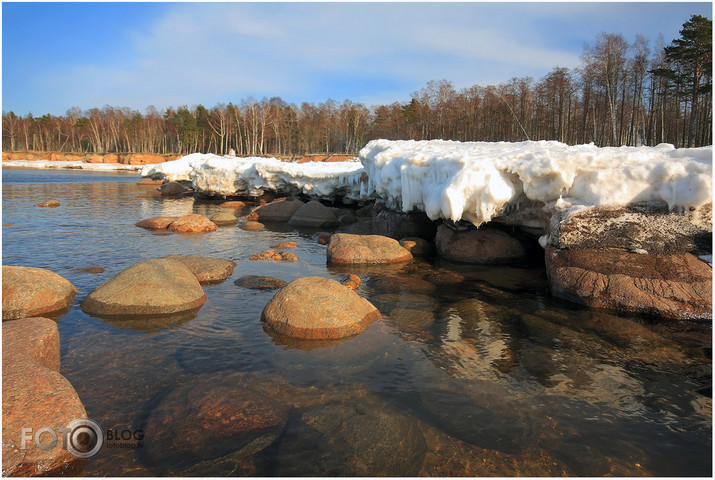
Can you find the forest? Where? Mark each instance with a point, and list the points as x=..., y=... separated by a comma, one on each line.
x=622, y=93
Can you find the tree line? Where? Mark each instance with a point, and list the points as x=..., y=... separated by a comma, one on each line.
x=621, y=94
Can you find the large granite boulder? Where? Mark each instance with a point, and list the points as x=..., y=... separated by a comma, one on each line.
x=192, y=223
x=207, y=269
x=676, y=286
x=35, y=396
x=280, y=210
x=210, y=419
x=345, y=248
x=28, y=291
x=317, y=308
x=314, y=214
x=154, y=287
x=484, y=246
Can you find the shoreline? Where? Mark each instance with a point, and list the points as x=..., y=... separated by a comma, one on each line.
x=70, y=165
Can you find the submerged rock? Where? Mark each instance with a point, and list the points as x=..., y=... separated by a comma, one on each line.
x=156, y=223
x=251, y=226
x=192, y=223
x=346, y=248
x=483, y=246
x=285, y=245
x=318, y=308
x=677, y=286
x=313, y=214
x=234, y=204
x=209, y=419
x=154, y=287
x=260, y=283
x=36, y=396
x=28, y=291
x=207, y=269
x=274, y=255
x=223, y=219
x=49, y=203
x=417, y=246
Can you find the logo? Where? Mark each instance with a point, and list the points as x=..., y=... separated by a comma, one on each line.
x=83, y=438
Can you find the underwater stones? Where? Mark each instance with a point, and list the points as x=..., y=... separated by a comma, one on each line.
x=156, y=223
x=275, y=256
x=192, y=223
x=399, y=283
x=209, y=419
x=417, y=246
x=486, y=246
x=317, y=308
x=233, y=204
x=36, y=396
x=284, y=245
x=352, y=282
x=223, y=219
x=351, y=440
x=345, y=248
x=280, y=210
x=324, y=237
x=677, y=286
x=49, y=203
x=207, y=269
x=251, y=226
x=313, y=214
x=154, y=287
x=258, y=282
x=29, y=291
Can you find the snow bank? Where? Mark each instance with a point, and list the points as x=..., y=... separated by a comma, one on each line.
x=478, y=181
x=78, y=165
x=226, y=176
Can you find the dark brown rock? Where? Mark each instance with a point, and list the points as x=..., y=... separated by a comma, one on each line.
x=175, y=189
x=313, y=214
x=400, y=225
x=154, y=287
x=49, y=203
x=318, y=308
x=207, y=269
x=209, y=419
x=324, y=238
x=28, y=292
x=346, y=248
x=94, y=270
x=156, y=223
x=399, y=283
x=417, y=246
x=260, y=283
x=347, y=219
x=677, y=286
x=192, y=223
x=280, y=210
x=484, y=246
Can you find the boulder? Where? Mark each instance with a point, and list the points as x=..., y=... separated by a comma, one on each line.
x=347, y=219
x=36, y=396
x=676, y=286
x=192, y=223
x=399, y=225
x=233, y=204
x=251, y=226
x=222, y=219
x=484, y=246
x=417, y=246
x=359, y=440
x=284, y=245
x=313, y=214
x=156, y=223
x=49, y=203
x=260, y=283
x=207, y=269
x=175, y=189
x=316, y=308
x=209, y=419
x=274, y=255
x=280, y=210
x=649, y=227
x=154, y=287
x=28, y=292
x=346, y=248
x=324, y=238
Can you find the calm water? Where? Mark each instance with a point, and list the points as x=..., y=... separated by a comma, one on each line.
x=477, y=370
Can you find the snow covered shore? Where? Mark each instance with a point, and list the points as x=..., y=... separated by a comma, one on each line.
x=226, y=176
x=70, y=165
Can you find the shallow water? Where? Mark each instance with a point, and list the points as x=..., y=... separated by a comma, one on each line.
x=474, y=371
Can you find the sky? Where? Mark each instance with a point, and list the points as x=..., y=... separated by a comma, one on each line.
x=56, y=56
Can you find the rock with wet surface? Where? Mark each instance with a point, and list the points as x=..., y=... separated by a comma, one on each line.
x=485, y=246
x=345, y=248
x=35, y=396
x=251, y=226
x=417, y=246
x=29, y=291
x=258, y=282
x=156, y=223
x=154, y=287
x=207, y=269
x=49, y=203
x=192, y=223
x=223, y=219
x=175, y=189
x=313, y=214
x=280, y=210
x=233, y=204
x=275, y=256
x=317, y=308
x=362, y=440
x=209, y=419
x=677, y=286
x=284, y=245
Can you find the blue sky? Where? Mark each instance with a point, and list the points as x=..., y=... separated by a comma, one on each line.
x=59, y=55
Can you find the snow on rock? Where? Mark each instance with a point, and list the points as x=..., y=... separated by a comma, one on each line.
x=70, y=165
x=477, y=181
x=225, y=176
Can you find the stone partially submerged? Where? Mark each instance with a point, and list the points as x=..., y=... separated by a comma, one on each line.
x=28, y=291
x=345, y=248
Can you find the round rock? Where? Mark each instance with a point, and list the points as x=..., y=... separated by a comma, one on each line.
x=317, y=308
x=260, y=283
x=280, y=210
x=192, y=223
x=345, y=248
x=484, y=246
x=28, y=292
x=49, y=203
x=207, y=269
x=156, y=223
x=154, y=287
x=313, y=214
x=223, y=219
